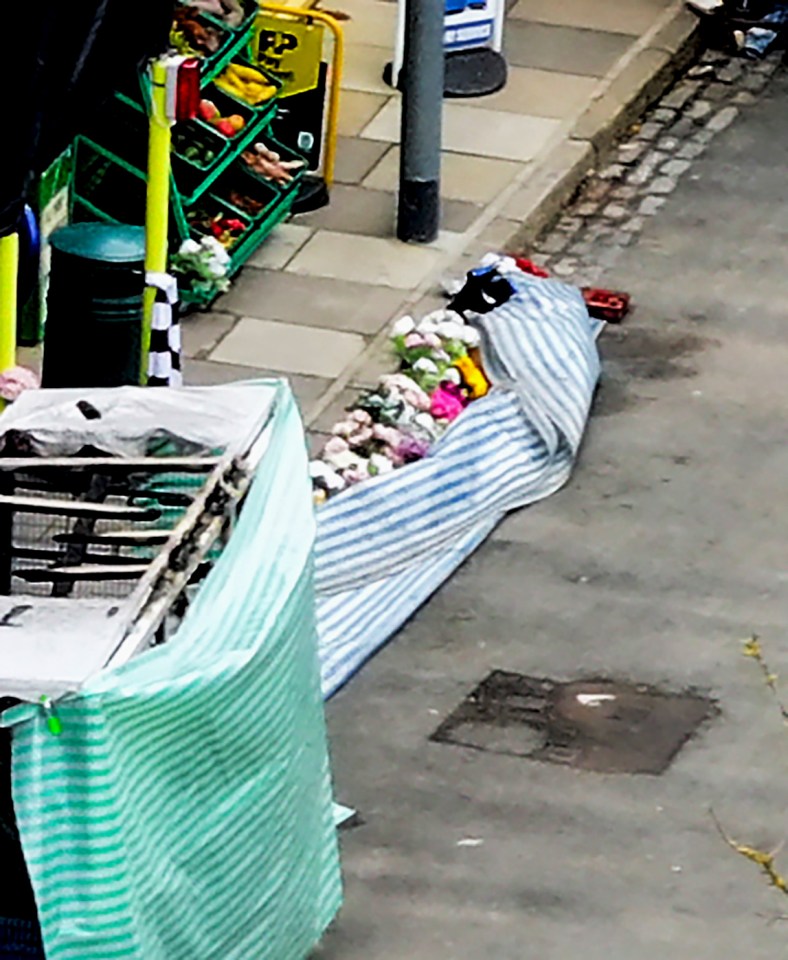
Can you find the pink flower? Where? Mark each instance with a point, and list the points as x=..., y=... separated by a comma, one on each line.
x=334, y=446
x=412, y=449
x=414, y=340
x=410, y=391
x=360, y=436
x=445, y=404
x=343, y=428
x=15, y=381
x=355, y=427
x=361, y=417
x=388, y=435
x=394, y=455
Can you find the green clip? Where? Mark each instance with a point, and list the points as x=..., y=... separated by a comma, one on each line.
x=53, y=720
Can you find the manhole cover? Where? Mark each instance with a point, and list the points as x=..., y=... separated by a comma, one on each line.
x=600, y=725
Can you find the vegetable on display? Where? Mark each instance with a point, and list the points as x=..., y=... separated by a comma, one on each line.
x=228, y=126
x=269, y=165
x=246, y=84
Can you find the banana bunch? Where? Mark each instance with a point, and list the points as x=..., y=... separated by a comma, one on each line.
x=245, y=83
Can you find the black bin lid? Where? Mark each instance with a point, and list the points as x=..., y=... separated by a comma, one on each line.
x=103, y=242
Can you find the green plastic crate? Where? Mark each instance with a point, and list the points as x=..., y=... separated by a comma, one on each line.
x=184, y=171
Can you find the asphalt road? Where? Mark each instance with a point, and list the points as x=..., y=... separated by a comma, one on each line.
x=666, y=549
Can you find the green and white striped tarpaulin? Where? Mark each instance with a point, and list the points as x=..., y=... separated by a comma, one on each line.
x=185, y=811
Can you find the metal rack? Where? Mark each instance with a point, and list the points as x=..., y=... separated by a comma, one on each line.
x=109, y=179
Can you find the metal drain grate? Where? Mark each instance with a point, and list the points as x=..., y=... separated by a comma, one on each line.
x=602, y=725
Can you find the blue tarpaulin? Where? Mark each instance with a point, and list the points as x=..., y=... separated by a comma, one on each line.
x=384, y=546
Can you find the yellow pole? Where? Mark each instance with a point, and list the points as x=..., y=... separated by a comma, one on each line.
x=157, y=211
x=9, y=270
x=332, y=119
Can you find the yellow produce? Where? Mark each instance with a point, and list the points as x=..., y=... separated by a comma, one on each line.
x=245, y=83
x=246, y=73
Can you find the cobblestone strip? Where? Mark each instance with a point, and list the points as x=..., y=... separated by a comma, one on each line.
x=616, y=201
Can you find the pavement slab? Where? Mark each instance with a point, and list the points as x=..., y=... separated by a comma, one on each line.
x=540, y=93
x=363, y=259
x=372, y=213
x=358, y=109
x=321, y=301
x=563, y=49
x=482, y=132
x=307, y=389
x=356, y=158
x=291, y=348
x=631, y=17
x=463, y=177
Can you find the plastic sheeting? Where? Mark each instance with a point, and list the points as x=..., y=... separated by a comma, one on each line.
x=136, y=421
x=185, y=811
x=386, y=545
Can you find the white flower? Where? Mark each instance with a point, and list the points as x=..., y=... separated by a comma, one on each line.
x=470, y=336
x=380, y=464
x=213, y=245
x=429, y=323
x=450, y=330
x=403, y=326
x=453, y=375
x=189, y=247
x=425, y=365
x=215, y=265
x=344, y=460
x=319, y=470
x=427, y=326
x=428, y=424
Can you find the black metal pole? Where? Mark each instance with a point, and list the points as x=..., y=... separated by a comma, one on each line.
x=418, y=215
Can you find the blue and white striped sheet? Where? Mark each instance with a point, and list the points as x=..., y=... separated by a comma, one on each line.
x=385, y=546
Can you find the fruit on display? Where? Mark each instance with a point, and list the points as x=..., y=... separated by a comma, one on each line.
x=269, y=165
x=242, y=201
x=227, y=126
x=188, y=143
x=245, y=83
x=218, y=225
x=191, y=36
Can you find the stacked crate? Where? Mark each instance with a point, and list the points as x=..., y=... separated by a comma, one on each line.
x=110, y=159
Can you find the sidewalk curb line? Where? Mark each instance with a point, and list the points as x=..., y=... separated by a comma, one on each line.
x=609, y=128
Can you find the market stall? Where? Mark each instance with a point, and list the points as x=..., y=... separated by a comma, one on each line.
x=171, y=782
x=233, y=177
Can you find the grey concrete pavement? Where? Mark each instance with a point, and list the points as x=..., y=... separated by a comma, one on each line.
x=666, y=549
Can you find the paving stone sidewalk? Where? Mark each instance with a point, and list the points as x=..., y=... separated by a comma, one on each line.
x=314, y=302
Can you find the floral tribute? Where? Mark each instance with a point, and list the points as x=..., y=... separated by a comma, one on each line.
x=440, y=373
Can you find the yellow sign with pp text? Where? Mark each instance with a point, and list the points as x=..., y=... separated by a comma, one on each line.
x=291, y=50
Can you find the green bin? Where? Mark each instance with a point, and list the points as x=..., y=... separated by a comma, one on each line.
x=93, y=329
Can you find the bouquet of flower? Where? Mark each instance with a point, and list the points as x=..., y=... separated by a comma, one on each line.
x=203, y=264
x=397, y=422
